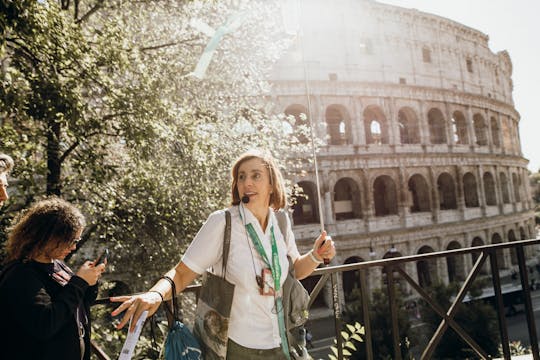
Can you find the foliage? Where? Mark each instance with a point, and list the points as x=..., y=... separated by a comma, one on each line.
x=350, y=336
x=516, y=349
x=380, y=324
x=478, y=319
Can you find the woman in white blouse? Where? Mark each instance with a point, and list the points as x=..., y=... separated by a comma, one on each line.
x=257, y=192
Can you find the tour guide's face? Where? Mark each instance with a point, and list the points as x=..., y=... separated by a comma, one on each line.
x=254, y=182
x=3, y=188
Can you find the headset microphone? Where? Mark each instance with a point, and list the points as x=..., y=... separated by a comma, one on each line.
x=245, y=199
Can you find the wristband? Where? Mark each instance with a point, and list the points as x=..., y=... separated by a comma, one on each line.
x=157, y=292
x=313, y=258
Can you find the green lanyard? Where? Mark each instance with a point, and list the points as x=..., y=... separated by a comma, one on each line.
x=275, y=267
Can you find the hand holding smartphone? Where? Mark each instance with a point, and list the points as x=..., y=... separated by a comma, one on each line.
x=102, y=258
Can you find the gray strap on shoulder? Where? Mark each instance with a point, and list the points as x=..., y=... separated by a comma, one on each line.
x=226, y=242
x=281, y=216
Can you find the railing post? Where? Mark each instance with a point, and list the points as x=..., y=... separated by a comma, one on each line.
x=528, y=303
x=365, y=311
x=393, y=311
x=500, y=304
x=337, y=315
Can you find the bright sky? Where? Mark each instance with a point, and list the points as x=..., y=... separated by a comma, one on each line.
x=513, y=26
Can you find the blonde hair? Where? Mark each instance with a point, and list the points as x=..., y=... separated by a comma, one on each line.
x=278, y=198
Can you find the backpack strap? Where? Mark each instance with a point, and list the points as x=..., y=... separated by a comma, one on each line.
x=283, y=223
x=226, y=242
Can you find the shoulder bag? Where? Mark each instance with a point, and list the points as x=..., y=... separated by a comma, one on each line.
x=214, y=306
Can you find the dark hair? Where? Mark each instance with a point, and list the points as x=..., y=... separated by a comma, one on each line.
x=49, y=221
x=278, y=197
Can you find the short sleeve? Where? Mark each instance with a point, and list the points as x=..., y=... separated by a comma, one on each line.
x=207, y=247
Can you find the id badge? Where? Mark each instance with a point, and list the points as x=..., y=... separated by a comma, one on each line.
x=267, y=286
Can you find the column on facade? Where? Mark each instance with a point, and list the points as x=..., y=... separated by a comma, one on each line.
x=423, y=124
x=403, y=208
x=319, y=125
x=360, y=131
x=460, y=191
x=511, y=191
x=470, y=128
x=448, y=126
x=327, y=196
x=500, y=120
x=367, y=199
x=506, y=252
x=393, y=124
x=480, y=188
x=489, y=132
x=498, y=189
x=435, y=201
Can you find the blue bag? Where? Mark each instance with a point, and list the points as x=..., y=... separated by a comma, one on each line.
x=180, y=343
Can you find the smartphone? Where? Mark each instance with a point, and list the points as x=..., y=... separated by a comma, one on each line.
x=102, y=257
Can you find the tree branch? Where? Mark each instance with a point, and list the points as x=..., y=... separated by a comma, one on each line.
x=94, y=8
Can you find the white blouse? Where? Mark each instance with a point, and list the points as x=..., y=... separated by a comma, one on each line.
x=253, y=321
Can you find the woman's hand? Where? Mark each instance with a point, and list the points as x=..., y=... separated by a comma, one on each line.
x=324, y=247
x=90, y=273
x=134, y=306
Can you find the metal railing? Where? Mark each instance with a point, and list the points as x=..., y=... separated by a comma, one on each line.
x=393, y=267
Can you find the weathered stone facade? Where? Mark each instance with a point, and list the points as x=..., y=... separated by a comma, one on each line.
x=422, y=144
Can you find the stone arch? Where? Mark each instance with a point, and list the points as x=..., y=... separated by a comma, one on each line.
x=470, y=190
x=300, y=114
x=489, y=189
x=351, y=279
x=419, y=191
x=408, y=126
x=459, y=127
x=338, y=124
x=477, y=241
x=504, y=188
x=517, y=184
x=455, y=264
x=480, y=130
x=347, y=200
x=385, y=196
x=426, y=269
x=375, y=126
x=497, y=239
x=437, y=126
x=447, y=191
x=305, y=209
x=495, y=132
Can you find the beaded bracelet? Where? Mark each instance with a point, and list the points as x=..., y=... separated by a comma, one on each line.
x=157, y=292
x=313, y=258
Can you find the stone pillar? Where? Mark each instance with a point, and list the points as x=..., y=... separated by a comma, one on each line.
x=360, y=128
x=403, y=210
x=460, y=192
x=498, y=189
x=470, y=127
x=435, y=201
x=367, y=199
x=481, y=189
x=423, y=125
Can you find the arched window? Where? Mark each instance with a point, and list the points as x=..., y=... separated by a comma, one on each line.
x=305, y=210
x=459, y=127
x=489, y=189
x=437, y=128
x=495, y=132
x=504, y=188
x=351, y=279
x=426, y=269
x=298, y=115
x=447, y=192
x=375, y=126
x=408, y=126
x=470, y=190
x=455, y=264
x=419, y=191
x=347, y=203
x=385, y=196
x=497, y=239
x=480, y=130
x=338, y=125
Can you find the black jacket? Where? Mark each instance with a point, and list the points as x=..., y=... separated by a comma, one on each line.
x=39, y=315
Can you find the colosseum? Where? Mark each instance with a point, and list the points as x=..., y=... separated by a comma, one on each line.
x=421, y=144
